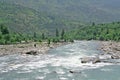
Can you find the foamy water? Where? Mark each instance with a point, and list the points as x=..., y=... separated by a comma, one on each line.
x=56, y=65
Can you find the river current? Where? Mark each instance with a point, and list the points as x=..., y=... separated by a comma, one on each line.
x=58, y=63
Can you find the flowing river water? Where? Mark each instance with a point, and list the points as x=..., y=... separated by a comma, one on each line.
x=57, y=64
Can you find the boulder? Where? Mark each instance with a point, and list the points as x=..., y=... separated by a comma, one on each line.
x=115, y=57
x=86, y=59
x=32, y=52
x=116, y=48
x=96, y=60
x=104, y=56
x=90, y=59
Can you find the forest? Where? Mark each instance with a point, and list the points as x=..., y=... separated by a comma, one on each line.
x=108, y=31
x=45, y=21
x=102, y=32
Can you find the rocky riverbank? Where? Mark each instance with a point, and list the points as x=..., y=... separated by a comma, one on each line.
x=32, y=48
x=111, y=51
x=111, y=48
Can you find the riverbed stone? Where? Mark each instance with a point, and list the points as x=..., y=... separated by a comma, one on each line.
x=86, y=59
x=115, y=57
x=96, y=60
x=32, y=52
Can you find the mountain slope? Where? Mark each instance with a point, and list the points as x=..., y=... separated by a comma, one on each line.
x=21, y=19
x=77, y=10
x=27, y=20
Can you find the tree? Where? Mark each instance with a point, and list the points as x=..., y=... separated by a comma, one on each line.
x=62, y=34
x=7, y=37
x=43, y=36
x=48, y=42
x=35, y=35
x=57, y=33
x=4, y=30
x=93, y=24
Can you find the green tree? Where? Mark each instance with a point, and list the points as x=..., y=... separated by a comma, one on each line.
x=57, y=33
x=48, y=42
x=43, y=36
x=4, y=29
x=93, y=24
x=62, y=34
x=35, y=35
x=7, y=37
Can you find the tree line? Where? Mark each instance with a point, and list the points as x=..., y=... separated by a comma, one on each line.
x=9, y=37
x=103, y=32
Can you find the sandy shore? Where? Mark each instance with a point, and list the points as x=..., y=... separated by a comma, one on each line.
x=41, y=48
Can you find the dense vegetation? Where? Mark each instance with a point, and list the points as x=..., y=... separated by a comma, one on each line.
x=75, y=10
x=109, y=31
x=30, y=20
x=21, y=19
x=8, y=37
x=26, y=20
x=29, y=16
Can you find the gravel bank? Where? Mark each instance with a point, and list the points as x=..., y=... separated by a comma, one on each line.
x=41, y=48
x=110, y=47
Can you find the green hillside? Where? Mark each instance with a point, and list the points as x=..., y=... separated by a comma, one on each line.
x=109, y=31
x=75, y=10
x=27, y=20
x=21, y=19
x=36, y=20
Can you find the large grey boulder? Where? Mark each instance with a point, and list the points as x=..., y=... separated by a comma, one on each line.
x=86, y=59
x=96, y=60
x=90, y=59
x=115, y=57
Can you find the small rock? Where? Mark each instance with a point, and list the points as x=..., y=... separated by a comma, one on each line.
x=117, y=49
x=35, y=45
x=74, y=72
x=71, y=71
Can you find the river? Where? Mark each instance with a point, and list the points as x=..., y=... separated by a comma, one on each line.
x=58, y=64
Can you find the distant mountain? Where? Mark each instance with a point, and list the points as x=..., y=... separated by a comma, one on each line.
x=21, y=19
x=75, y=10
x=39, y=16
x=27, y=20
